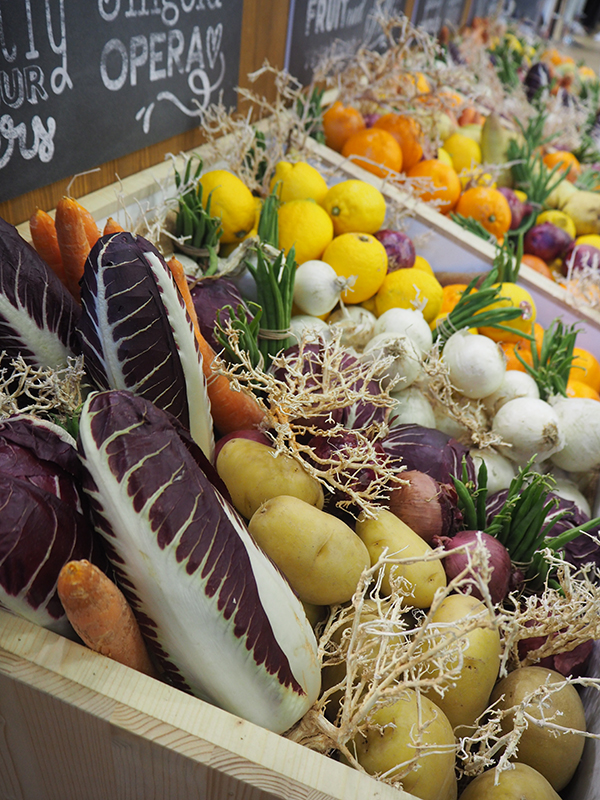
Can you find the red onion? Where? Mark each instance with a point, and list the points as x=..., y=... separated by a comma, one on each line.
x=581, y=255
x=499, y=560
x=429, y=450
x=429, y=508
x=547, y=241
x=518, y=209
x=399, y=248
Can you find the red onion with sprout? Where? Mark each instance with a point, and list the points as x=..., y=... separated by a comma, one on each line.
x=518, y=209
x=429, y=450
x=499, y=560
x=581, y=256
x=547, y=241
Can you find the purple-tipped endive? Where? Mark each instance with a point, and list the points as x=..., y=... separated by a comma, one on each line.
x=221, y=620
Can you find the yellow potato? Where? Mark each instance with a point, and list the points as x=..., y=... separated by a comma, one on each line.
x=423, y=577
x=432, y=776
x=254, y=473
x=555, y=756
x=468, y=698
x=513, y=784
x=320, y=555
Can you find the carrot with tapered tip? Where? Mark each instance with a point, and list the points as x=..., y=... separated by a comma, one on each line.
x=45, y=241
x=101, y=616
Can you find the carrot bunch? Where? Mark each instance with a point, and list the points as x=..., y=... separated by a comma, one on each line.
x=65, y=241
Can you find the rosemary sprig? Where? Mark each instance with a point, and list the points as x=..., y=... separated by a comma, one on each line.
x=473, y=226
x=551, y=367
x=472, y=310
x=589, y=180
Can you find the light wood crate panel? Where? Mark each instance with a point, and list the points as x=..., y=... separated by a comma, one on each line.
x=75, y=725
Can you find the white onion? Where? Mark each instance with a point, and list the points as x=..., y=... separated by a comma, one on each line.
x=514, y=384
x=317, y=288
x=302, y=324
x=528, y=427
x=446, y=423
x=406, y=366
x=409, y=322
x=500, y=471
x=355, y=323
x=412, y=406
x=475, y=363
x=579, y=419
x=569, y=490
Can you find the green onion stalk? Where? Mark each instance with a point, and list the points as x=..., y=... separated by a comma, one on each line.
x=550, y=368
x=521, y=524
x=194, y=223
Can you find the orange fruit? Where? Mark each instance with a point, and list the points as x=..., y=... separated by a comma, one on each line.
x=537, y=264
x=522, y=348
x=407, y=132
x=488, y=206
x=451, y=294
x=577, y=388
x=446, y=183
x=567, y=161
x=339, y=123
x=585, y=368
x=379, y=146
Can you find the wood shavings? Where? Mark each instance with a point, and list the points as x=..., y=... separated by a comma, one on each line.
x=42, y=391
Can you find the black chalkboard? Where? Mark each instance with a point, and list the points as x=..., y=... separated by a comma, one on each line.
x=315, y=25
x=430, y=15
x=86, y=81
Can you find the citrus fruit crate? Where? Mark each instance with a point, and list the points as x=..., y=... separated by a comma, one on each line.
x=450, y=249
x=74, y=724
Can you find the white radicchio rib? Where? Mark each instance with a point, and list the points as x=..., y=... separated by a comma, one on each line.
x=219, y=617
x=136, y=333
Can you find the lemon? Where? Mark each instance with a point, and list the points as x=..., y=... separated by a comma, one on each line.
x=298, y=182
x=520, y=298
x=422, y=263
x=560, y=219
x=231, y=201
x=306, y=226
x=464, y=152
x=444, y=157
x=521, y=195
x=355, y=207
x=589, y=238
x=410, y=288
x=361, y=256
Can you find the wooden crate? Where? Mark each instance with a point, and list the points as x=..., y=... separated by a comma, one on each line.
x=77, y=726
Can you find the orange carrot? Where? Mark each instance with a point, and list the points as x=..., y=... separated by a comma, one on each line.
x=72, y=240
x=45, y=243
x=231, y=410
x=112, y=226
x=101, y=616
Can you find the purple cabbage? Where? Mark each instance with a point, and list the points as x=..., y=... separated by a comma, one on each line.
x=211, y=295
x=429, y=450
x=38, y=317
x=42, y=525
x=137, y=335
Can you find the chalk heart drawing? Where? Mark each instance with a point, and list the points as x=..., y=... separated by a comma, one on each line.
x=213, y=42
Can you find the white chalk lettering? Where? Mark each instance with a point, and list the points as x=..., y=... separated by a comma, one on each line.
x=9, y=55
x=331, y=15
x=117, y=47
x=175, y=45
x=195, y=55
x=157, y=56
x=106, y=12
x=34, y=84
x=12, y=88
x=138, y=56
x=43, y=139
x=59, y=78
x=32, y=52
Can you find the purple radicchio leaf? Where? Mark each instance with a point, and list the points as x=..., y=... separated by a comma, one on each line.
x=137, y=335
x=38, y=316
x=219, y=617
x=42, y=453
x=39, y=534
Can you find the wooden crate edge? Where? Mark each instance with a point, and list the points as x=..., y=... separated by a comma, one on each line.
x=70, y=673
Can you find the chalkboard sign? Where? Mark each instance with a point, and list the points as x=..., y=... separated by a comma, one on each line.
x=430, y=15
x=86, y=81
x=316, y=25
